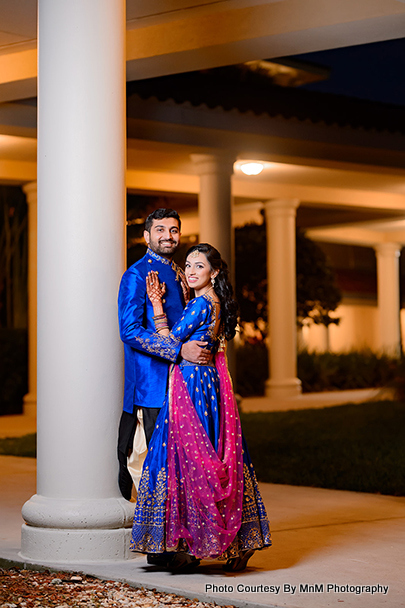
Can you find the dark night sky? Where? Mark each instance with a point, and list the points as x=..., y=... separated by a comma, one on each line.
x=368, y=71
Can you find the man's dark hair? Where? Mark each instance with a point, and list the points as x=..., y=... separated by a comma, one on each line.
x=160, y=214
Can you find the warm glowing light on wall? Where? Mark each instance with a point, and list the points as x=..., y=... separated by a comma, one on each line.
x=251, y=168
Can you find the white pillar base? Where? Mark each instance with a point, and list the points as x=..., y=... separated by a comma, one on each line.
x=62, y=531
x=285, y=389
x=30, y=405
x=70, y=546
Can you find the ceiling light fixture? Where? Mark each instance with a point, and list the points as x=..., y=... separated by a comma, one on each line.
x=251, y=168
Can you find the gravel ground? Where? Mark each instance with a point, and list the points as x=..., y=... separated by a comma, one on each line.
x=31, y=589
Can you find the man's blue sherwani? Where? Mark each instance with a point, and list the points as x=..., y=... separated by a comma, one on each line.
x=148, y=355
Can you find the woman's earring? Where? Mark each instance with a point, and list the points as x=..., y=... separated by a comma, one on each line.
x=213, y=281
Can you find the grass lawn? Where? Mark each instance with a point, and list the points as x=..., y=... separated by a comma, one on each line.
x=348, y=447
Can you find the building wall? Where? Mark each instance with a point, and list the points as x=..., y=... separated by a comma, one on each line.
x=357, y=330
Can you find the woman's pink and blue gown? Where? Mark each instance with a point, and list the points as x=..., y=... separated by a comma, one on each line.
x=198, y=492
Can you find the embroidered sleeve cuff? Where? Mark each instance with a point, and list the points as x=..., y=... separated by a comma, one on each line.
x=167, y=347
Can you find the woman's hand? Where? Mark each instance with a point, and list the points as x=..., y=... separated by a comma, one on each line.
x=155, y=289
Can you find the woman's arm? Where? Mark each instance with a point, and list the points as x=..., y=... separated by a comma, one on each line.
x=193, y=351
x=131, y=311
x=156, y=291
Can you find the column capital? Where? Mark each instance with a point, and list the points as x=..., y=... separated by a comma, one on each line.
x=281, y=206
x=31, y=190
x=218, y=162
x=388, y=249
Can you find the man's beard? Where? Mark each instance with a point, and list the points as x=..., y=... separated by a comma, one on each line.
x=165, y=249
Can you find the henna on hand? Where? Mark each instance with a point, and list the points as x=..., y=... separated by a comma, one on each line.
x=154, y=288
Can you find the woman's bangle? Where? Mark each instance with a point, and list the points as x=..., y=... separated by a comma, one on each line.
x=160, y=322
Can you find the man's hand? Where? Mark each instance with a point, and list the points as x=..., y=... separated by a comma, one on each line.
x=195, y=352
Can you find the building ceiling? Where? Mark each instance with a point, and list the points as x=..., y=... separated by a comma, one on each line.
x=220, y=32
x=18, y=18
x=246, y=30
x=18, y=148
x=18, y=23
x=175, y=158
x=155, y=157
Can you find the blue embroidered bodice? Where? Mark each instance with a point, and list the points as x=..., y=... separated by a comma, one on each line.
x=198, y=322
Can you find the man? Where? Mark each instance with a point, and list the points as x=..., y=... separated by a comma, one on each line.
x=147, y=354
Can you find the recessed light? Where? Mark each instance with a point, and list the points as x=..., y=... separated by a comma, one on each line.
x=251, y=168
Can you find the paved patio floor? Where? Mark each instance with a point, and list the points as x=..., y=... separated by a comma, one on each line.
x=321, y=537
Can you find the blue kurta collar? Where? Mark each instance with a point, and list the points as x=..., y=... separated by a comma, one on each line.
x=158, y=257
x=167, y=262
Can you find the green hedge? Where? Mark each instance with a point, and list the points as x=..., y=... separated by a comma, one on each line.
x=344, y=371
x=251, y=369
x=19, y=446
x=321, y=371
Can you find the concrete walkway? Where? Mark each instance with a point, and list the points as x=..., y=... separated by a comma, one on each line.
x=321, y=537
x=315, y=400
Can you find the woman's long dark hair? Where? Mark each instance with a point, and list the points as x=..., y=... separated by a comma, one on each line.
x=222, y=287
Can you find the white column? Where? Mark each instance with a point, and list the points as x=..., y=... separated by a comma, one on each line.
x=78, y=513
x=30, y=399
x=215, y=202
x=215, y=214
x=324, y=345
x=388, y=297
x=282, y=308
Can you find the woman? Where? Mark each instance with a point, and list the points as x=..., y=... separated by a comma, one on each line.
x=198, y=492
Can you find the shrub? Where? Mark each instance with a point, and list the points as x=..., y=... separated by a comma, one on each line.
x=251, y=369
x=321, y=371
x=19, y=446
x=345, y=371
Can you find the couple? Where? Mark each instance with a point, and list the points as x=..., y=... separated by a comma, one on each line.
x=198, y=493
